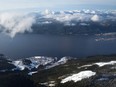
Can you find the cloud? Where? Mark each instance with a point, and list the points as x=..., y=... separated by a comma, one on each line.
x=13, y=23
x=95, y=18
x=68, y=17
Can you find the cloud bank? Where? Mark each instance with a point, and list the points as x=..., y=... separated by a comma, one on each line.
x=13, y=23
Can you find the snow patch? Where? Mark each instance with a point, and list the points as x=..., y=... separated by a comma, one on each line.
x=85, y=66
x=79, y=76
x=61, y=61
x=31, y=73
x=19, y=64
x=101, y=64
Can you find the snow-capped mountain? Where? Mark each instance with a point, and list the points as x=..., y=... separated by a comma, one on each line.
x=37, y=61
x=32, y=64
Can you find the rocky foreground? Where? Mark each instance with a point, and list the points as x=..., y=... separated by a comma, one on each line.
x=94, y=71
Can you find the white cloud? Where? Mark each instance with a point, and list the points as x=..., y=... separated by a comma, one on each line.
x=13, y=23
x=95, y=18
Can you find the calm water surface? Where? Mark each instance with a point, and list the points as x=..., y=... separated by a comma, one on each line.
x=28, y=45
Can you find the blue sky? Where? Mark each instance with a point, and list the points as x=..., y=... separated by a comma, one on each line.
x=56, y=4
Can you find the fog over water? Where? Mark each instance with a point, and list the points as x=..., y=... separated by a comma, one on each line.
x=28, y=45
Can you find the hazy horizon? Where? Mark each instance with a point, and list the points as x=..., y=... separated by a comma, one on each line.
x=26, y=5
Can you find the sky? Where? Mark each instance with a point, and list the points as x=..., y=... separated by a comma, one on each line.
x=6, y=5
